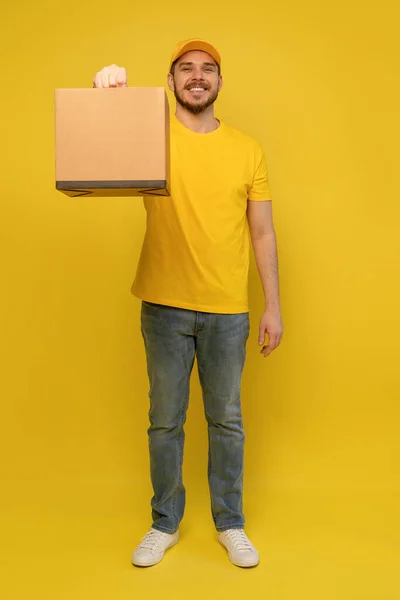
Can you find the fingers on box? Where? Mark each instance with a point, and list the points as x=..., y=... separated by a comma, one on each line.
x=111, y=76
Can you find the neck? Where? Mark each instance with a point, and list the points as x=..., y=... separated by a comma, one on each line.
x=204, y=122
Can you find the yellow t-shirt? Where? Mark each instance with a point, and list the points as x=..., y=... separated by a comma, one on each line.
x=195, y=253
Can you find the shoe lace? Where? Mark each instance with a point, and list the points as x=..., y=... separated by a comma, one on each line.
x=152, y=540
x=239, y=539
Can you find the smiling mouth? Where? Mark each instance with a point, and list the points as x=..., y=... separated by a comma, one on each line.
x=197, y=90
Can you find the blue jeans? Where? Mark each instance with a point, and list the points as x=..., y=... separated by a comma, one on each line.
x=172, y=337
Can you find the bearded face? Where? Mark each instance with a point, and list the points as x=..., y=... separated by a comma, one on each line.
x=196, y=81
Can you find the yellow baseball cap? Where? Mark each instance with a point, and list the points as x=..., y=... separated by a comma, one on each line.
x=195, y=44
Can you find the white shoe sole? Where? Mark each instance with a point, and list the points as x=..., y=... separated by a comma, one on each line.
x=138, y=562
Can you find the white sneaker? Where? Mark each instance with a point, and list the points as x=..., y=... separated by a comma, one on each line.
x=241, y=551
x=152, y=547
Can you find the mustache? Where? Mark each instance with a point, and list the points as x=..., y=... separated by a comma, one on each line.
x=202, y=84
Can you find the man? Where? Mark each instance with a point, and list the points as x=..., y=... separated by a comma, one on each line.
x=192, y=278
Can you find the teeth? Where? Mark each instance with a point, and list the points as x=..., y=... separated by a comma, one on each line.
x=197, y=89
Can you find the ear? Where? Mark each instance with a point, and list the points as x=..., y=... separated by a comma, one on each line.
x=170, y=80
x=220, y=83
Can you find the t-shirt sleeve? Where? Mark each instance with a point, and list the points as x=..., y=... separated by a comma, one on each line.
x=259, y=189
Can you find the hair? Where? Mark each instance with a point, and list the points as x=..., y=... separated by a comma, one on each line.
x=172, y=71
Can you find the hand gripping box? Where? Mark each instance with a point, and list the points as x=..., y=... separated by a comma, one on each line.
x=112, y=141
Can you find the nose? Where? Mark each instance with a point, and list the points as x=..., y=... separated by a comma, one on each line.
x=197, y=72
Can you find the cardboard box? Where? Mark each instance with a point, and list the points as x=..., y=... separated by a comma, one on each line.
x=112, y=141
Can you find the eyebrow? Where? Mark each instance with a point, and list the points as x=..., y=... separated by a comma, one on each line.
x=205, y=64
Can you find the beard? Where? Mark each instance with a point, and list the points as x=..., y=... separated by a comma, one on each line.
x=196, y=108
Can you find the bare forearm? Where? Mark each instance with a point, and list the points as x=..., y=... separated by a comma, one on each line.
x=266, y=255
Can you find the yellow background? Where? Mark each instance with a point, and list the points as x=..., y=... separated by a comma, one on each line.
x=317, y=85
